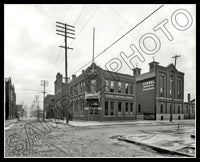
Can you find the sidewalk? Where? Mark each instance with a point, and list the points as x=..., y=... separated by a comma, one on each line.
x=9, y=122
x=175, y=142
x=134, y=122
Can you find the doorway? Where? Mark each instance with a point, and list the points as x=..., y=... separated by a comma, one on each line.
x=93, y=113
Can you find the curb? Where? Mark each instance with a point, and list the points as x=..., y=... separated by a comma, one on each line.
x=138, y=124
x=161, y=150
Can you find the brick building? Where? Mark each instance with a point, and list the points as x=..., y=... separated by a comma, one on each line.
x=60, y=96
x=160, y=93
x=10, y=100
x=189, y=108
x=100, y=95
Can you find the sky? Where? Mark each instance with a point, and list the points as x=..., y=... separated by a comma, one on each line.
x=32, y=51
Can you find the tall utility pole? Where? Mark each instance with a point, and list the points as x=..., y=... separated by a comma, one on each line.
x=173, y=88
x=44, y=83
x=175, y=57
x=65, y=31
x=93, y=49
x=36, y=103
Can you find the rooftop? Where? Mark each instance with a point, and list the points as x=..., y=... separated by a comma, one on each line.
x=145, y=76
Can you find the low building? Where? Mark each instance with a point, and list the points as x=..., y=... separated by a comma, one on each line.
x=101, y=95
x=10, y=100
x=189, y=108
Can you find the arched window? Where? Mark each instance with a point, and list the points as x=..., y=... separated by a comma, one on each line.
x=171, y=86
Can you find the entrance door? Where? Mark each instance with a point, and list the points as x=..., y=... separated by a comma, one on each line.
x=93, y=113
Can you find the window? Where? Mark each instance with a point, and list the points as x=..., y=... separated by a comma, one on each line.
x=187, y=110
x=161, y=108
x=119, y=106
x=179, y=89
x=93, y=86
x=131, y=107
x=171, y=86
x=111, y=86
x=91, y=111
x=83, y=84
x=178, y=109
x=119, y=87
x=71, y=91
x=81, y=87
x=112, y=108
x=139, y=108
x=131, y=88
x=96, y=111
x=106, y=108
x=107, y=85
x=192, y=109
x=162, y=85
x=126, y=88
x=126, y=106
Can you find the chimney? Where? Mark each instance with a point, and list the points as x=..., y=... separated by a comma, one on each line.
x=152, y=65
x=73, y=76
x=188, y=97
x=136, y=71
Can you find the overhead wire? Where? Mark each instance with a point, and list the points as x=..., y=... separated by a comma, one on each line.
x=119, y=38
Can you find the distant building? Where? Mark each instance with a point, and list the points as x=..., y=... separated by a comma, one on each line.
x=19, y=111
x=189, y=108
x=61, y=96
x=49, y=106
x=160, y=93
x=10, y=99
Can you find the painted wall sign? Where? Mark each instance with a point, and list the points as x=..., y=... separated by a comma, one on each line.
x=148, y=85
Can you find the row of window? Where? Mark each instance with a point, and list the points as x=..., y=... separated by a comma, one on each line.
x=180, y=109
x=78, y=88
x=162, y=84
x=121, y=87
x=78, y=108
x=111, y=107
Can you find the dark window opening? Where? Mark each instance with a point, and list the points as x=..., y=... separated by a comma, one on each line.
x=111, y=108
x=106, y=108
x=96, y=111
x=119, y=106
x=139, y=108
x=131, y=107
x=126, y=106
x=161, y=108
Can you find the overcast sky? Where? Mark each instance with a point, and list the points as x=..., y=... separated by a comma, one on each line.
x=32, y=50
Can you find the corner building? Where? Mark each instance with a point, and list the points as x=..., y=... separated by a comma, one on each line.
x=160, y=93
x=101, y=95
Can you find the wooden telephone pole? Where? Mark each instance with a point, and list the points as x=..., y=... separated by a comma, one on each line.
x=175, y=57
x=65, y=32
x=44, y=83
